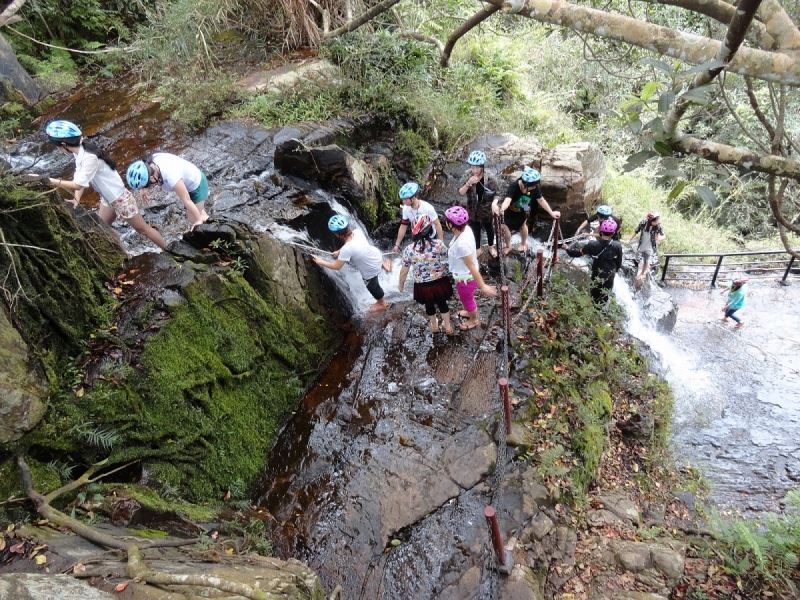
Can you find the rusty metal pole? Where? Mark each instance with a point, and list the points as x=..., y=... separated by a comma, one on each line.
x=505, y=562
x=539, y=273
x=556, y=231
x=499, y=239
x=503, y=383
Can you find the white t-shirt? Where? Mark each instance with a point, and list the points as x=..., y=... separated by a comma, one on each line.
x=463, y=245
x=94, y=172
x=411, y=215
x=363, y=256
x=174, y=168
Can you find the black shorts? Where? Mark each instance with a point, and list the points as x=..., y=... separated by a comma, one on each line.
x=514, y=220
x=374, y=288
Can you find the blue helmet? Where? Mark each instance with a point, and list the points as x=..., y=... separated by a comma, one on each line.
x=476, y=158
x=337, y=223
x=605, y=210
x=61, y=131
x=409, y=190
x=138, y=175
x=530, y=175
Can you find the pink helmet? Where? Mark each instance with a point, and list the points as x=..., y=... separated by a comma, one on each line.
x=608, y=227
x=457, y=215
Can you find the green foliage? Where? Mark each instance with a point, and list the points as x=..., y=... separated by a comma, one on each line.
x=577, y=370
x=196, y=96
x=763, y=554
x=255, y=536
x=306, y=102
x=414, y=149
x=215, y=385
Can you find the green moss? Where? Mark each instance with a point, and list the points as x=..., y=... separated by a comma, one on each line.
x=414, y=149
x=147, y=533
x=216, y=384
x=149, y=498
x=584, y=367
x=44, y=479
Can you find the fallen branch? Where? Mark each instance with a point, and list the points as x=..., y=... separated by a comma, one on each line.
x=136, y=569
x=42, y=504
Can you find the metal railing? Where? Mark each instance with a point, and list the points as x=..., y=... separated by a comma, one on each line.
x=753, y=269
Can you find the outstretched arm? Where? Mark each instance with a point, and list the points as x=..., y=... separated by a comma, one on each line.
x=191, y=210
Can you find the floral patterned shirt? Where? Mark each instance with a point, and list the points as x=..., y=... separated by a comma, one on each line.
x=428, y=265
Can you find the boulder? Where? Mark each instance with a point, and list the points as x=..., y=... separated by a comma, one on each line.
x=15, y=83
x=22, y=389
x=572, y=174
x=289, y=75
x=621, y=506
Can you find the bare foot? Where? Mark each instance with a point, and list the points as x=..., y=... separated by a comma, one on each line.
x=464, y=314
x=522, y=248
x=379, y=306
x=492, y=252
x=469, y=325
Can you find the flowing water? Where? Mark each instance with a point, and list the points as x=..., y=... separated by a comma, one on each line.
x=737, y=392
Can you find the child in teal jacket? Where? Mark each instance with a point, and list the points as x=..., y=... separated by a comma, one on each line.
x=736, y=299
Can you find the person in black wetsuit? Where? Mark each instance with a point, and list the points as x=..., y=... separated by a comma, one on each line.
x=607, y=255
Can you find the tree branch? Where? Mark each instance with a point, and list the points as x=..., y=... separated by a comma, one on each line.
x=9, y=15
x=103, y=51
x=722, y=12
x=136, y=569
x=751, y=95
x=421, y=37
x=745, y=12
x=740, y=157
x=42, y=504
x=776, y=204
x=83, y=480
x=366, y=17
x=475, y=20
x=780, y=26
x=693, y=49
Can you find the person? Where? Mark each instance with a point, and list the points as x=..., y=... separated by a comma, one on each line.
x=480, y=187
x=413, y=208
x=173, y=174
x=432, y=284
x=516, y=207
x=604, y=212
x=607, y=260
x=94, y=167
x=361, y=254
x=651, y=234
x=462, y=258
x=737, y=293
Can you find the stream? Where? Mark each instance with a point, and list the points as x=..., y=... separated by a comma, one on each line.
x=378, y=479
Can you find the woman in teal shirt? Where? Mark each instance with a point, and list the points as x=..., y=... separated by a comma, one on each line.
x=736, y=299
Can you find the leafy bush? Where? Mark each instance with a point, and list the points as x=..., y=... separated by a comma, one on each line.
x=767, y=553
x=195, y=97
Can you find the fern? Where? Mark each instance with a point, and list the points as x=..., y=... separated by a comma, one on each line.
x=98, y=437
x=62, y=469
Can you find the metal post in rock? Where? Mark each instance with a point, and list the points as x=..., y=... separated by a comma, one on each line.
x=556, y=231
x=539, y=273
x=503, y=383
x=505, y=562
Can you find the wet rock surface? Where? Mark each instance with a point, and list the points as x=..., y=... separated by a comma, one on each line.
x=737, y=410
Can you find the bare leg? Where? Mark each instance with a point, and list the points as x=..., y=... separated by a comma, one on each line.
x=473, y=320
x=434, y=323
x=448, y=326
x=108, y=215
x=507, y=238
x=523, y=238
x=141, y=226
x=201, y=209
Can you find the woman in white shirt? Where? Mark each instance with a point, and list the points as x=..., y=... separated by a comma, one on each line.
x=463, y=262
x=173, y=174
x=94, y=167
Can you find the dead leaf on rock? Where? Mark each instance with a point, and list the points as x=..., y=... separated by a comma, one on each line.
x=121, y=587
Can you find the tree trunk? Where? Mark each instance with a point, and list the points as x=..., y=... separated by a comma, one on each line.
x=15, y=83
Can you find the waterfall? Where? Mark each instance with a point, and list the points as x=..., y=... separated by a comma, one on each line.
x=348, y=279
x=697, y=397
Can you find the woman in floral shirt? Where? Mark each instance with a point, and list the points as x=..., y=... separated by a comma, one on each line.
x=432, y=284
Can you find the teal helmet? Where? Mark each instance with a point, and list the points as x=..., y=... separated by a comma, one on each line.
x=63, y=132
x=337, y=223
x=530, y=175
x=476, y=158
x=138, y=175
x=409, y=190
x=605, y=210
